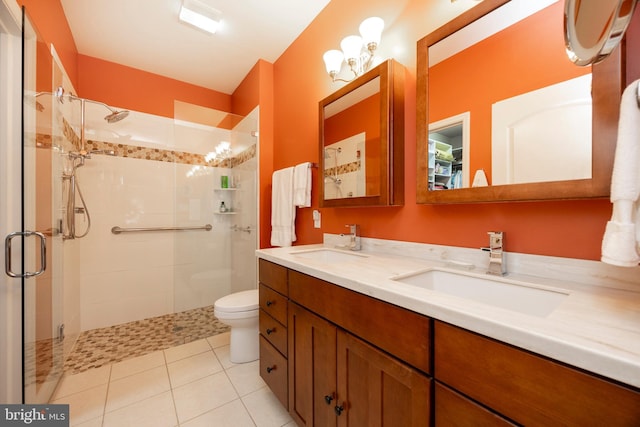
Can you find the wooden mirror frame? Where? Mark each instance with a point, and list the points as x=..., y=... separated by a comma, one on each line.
x=391, y=171
x=608, y=83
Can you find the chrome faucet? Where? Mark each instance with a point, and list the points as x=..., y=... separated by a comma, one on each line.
x=354, y=237
x=497, y=265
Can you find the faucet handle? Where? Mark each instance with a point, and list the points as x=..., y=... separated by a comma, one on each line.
x=496, y=238
x=354, y=236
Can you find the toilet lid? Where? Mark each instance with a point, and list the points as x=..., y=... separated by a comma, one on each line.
x=239, y=301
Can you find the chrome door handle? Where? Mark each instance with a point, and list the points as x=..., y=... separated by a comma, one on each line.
x=7, y=253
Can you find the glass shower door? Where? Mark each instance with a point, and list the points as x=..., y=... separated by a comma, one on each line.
x=43, y=330
x=210, y=265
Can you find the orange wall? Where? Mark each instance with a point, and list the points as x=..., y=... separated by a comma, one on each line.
x=48, y=17
x=133, y=89
x=257, y=89
x=561, y=228
x=112, y=83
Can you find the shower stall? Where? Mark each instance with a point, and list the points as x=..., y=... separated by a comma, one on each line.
x=158, y=241
x=72, y=175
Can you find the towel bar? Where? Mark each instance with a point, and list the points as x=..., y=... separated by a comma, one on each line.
x=118, y=230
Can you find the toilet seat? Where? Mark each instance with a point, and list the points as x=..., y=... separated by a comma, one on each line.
x=238, y=302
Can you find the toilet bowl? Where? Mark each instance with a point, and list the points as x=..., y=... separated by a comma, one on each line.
x=240, y=311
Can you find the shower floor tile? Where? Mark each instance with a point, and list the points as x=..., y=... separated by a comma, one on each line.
x=104, y=346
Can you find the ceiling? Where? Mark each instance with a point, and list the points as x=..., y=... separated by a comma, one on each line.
x=147, y=35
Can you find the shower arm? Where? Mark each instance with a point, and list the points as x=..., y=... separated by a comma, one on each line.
x=111, y=118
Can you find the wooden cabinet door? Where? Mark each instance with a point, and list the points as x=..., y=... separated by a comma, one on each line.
x=312, y=368
x=375, y=389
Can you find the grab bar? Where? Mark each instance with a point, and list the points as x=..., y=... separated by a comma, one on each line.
x=118, y=230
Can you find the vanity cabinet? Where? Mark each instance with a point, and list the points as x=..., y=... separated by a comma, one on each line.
x=273, y=292
x=354, y=360
x=337, y=378
x=522, y=386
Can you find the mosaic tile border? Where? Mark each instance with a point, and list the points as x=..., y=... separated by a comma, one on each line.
x=344, y=168
x=103, y=346
x=171, y=156
x=156, y=154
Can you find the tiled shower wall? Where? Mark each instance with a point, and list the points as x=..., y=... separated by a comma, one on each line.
x=158, y=178
x=350, y=168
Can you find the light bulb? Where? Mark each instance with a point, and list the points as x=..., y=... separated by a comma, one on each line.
x=371, y=30
x=333, y=60
x=351, y=46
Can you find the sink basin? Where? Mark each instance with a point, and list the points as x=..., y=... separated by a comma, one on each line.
x=328, y=255
x=498, y=291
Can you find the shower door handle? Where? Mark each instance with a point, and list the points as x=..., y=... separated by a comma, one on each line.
x=7, y=254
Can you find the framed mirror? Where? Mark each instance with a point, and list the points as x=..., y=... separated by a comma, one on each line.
x=362, y=140
x=503, y=116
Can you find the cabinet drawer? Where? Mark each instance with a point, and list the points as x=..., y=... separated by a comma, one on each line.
x=403, y=333
x=273, y=303
x=274, y=332
x=274, y=276
x=453, y=409
x=527, y=388
x=273, y=370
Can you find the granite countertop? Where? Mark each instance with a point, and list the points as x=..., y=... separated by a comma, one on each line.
x=596, y=328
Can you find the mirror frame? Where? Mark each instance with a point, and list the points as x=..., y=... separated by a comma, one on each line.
x=391, y=172
x=607, y=85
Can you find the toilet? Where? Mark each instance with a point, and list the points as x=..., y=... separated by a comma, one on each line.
x=240, y=311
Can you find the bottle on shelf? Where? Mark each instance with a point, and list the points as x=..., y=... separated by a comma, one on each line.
x=223, y=207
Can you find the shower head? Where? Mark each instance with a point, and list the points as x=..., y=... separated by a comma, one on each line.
x=116, y=116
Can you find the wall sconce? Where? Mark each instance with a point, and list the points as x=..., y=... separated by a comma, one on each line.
x=357, y=51
x=200, y=15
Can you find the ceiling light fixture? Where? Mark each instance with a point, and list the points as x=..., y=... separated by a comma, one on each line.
x=357, y=51
x=200, y=15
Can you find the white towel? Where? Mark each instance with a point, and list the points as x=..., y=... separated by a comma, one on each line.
x=302, y=185
x=621, y=242
x=283, y=211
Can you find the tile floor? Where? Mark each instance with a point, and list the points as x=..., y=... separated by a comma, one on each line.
x=105, y=346
x=190, y=385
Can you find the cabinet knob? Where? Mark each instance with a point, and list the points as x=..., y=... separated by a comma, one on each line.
x=271, y=368
x=339, y=409
x=269, y=303
x=328, y=398
x=270, y=330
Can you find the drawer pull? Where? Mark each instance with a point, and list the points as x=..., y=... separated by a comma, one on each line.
x=339, y=409
x=328, y=398
x=270, y=331
x=269, y=303
x=271, y=368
